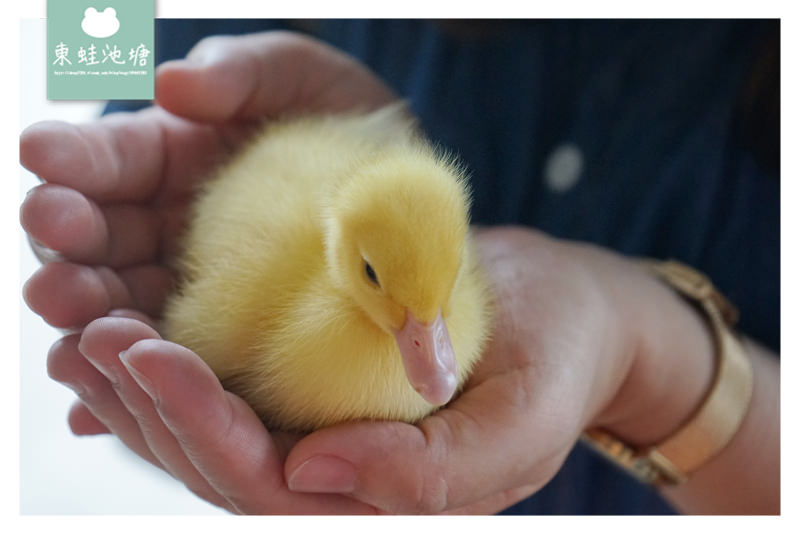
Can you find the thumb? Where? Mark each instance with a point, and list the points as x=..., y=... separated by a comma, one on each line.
x=264, y=75
x=456, y=457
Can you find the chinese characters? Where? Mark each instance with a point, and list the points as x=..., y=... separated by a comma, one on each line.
x=113, y=54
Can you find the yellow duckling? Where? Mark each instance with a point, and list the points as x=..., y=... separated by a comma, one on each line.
x=328, y=275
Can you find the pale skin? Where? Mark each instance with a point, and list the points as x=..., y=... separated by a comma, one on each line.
x=583, y=337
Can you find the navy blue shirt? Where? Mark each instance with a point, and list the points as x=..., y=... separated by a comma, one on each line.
x=652, y=138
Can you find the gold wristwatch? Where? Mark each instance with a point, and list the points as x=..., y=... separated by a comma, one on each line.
x=718, y=418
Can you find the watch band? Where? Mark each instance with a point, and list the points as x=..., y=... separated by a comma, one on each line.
x=718, y=418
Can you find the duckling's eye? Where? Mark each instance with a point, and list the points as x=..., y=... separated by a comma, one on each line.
x=370, y=272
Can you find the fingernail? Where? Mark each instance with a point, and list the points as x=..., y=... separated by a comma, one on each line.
x=77, y=388
x=199, y=59
x=324, y=473
x=44, y=253
x=138, y=377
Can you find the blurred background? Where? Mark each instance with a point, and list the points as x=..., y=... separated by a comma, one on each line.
x=59, y=472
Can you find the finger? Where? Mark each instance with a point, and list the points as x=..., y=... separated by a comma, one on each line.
x=62, y=220
x=70, y=296
x=220, y=434
x=67, y=365
x=67, y=295
x=265, y=75
x=65, y=221
x=123, y=157
x=134, y=315
x=83, y=422
x=115, y=158
x=101, y=343
x=456, y=457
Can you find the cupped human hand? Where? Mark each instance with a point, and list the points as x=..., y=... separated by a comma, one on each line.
x=106, y=220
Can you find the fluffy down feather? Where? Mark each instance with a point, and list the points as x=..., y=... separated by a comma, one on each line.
x=274, y=291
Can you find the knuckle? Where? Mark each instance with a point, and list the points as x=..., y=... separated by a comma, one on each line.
x=284, y=38
x=431, y=498
x=117, y=387
x=56, y=364
x=61, y=365
x=431, y=492
x=210, y=42
x=215, y=46
x=293, y=41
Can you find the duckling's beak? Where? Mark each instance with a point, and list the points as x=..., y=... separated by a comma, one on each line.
x=428, y=358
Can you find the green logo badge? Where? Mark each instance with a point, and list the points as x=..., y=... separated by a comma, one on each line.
x=100, y=49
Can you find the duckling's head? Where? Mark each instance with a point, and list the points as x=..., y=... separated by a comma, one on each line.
x=395, y=242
